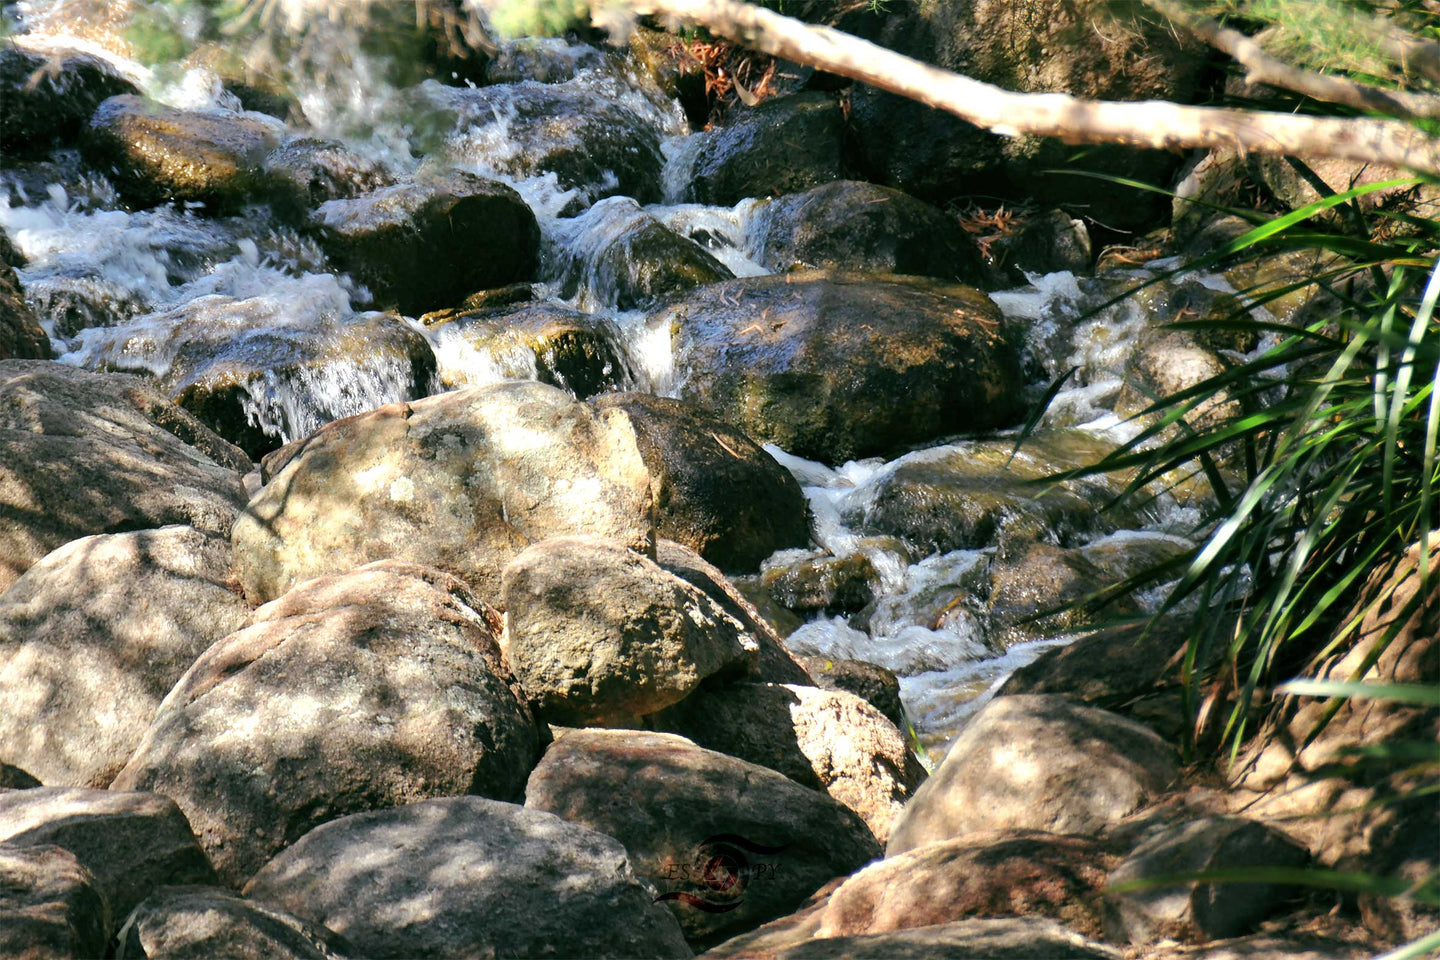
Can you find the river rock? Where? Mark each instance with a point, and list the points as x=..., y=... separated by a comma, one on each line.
x=46, y=98
x=21, y=336
x=1037, y=762
x=617, y=255
x=131, y=843
x=49, y=906
x=1194, y=910
x=1041, y=578
x=94, y=635
x=91, y=453
x=1108, y=668
x=870, y=682
x=542, y=59
x=781, y=145
x=715, y=490
x=462, y=481
x=850, y=225
x=155, y=154
x=838, y=366
x=815, y=584
x=548, y=341
x=306, y=172
x=198, y=922
x=14, y=778
x=701, y=825
x=426, y=244
x=823, y=739
x=1168, y=364
x=600, y=634
x=369, y=690
x=989, y=939
x=1010, y=873
x=467, y=878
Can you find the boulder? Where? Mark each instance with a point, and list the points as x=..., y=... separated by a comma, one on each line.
x=462, y=481
x=199, y=922
x=350, y=693
x=1282, y=945
x=1195, y=910
x=768, y=939
x=467, y=878
x=49, y=906
x=599, y=634
x=1037, y=762
x=715, y=490
x=839, y=366
x=131, y=843
x=1044, y=243
x=870, y=682
x=426, y=244
x=711, y=831
x=92, y=453
x=782, y=145
x=21, y=336
x=543, y=60
x=1029, y=588
x=1171, y=363
x=157, y=154
x=989, y=939
x=850, y=225
x=818, y=584
x=823, y=739
x=92, y=638
x=306, y=172
x=46, y=98
x=13, y=778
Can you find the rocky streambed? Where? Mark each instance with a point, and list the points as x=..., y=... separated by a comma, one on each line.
x=494, y=520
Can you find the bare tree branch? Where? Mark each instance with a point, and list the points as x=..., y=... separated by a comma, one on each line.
x=1152, y=123
x=1261, y=67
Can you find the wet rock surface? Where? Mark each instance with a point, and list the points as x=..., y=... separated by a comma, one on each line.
x=47, y=98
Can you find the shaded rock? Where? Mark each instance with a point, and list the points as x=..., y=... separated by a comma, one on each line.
x=46, y=99
x=13, y=778
x=306, y=172
x=834, y=367
x=1194, y=910
x=769, y=939
x=97, y=453
x=550, y=342
x=600, y=634
x=1009, y=939
x=464, y=877
x=369, y=690
x=50, y=908
x=617, y=255
x=131, y=842
x=462, y=481
x=426, y=244
x=21, y=336
x=1045, y=243
x=1042, y=579
x=850, y=225
x=701, y=825
x=715, y=490
x=781, y=145
x=156, y=154
x=1292, y=188
x=823, y=739
x=1271, y=946
x=812, y=584
x=205, y=922
x=870, y=682
x=1037, y=762
x=1011, y=873
x=94, y=635
x=1218, y=177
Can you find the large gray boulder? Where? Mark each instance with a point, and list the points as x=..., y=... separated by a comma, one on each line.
x=131, y=843
x=988, y=939
x=199, y=923
x=599, y=634
x=49, y=906
x=464, y=878
x=462, y=481
x=373, y=689
x=94, y=453
x=1037, y=762
x=92, y=638
x=730, y=844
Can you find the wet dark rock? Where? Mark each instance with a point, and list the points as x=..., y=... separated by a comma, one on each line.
x=779, y=146
x=925, y=152
x=989, y=939
x=543, y=60
x=599, y=634
x=156, y=154
x=131, y=843
x=870, y=682
x=46, y=99
x=307, y=172
x=74, y=303
x=838, y=366
x=1037, y=763
x=50, y=908
x=94, y=453
x=849, y=225
x=1029, y=588
x=427, y=244
x=1044, y=243
x=822, y=584
x=370, y=690
x=94, y=635
x=21, y=336
x=462, y=481
x=465, y=877
x=630, y=259
x=714, y=489
x=672, y=804
x=195, y=921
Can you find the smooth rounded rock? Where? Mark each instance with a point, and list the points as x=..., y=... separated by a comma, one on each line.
x=46, y=98
x=201, y=923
